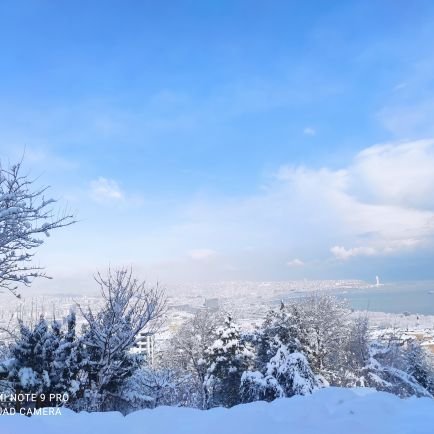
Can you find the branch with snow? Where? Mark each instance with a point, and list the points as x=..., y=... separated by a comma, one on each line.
x=25, y=215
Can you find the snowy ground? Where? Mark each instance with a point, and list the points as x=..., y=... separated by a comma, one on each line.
x=328, y=411
x=409, y=322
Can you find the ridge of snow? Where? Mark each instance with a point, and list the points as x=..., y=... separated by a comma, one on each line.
x=327, y=411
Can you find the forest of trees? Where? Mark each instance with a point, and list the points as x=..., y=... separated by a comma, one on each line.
x=306, y=344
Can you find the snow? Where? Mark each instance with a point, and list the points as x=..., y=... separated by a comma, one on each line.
x=9, y=212
x=327, y=411
x=27, y=377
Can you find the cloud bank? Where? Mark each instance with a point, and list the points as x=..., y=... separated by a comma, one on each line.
x=302, y=221
x=380, y=204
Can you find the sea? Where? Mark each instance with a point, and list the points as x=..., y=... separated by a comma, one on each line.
x=399, y=297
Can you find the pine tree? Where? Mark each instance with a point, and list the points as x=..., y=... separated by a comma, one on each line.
x=281, y=367
x=283, y=326
x=32, y=360
x=46, y=360
x=68, y=360
x=227, y=358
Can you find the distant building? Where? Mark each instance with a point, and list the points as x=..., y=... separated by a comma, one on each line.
x=212, y=303
x=145, y=344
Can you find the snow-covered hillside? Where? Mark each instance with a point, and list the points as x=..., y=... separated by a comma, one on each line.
x=328, y=411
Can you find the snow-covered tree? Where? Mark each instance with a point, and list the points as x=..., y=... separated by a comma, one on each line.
x=227, y=358
x=25, y=215
x=188, y=350
x=354, y=356
x=287, y=374
x=67, y=363
x=130, y=307
x=6, y=386
x=281, y=368
x=255, y=386
x=292, y=372
x=150, y=388
x=280, y=327
x=398, y=367
x=325, y=329
x=33, y=356
x=420, y=365
x=41, y=361
x=135, y=393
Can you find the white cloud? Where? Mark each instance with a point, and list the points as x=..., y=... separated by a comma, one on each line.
x=201, y=254
x=342, y=253
x=381, y=203
x=103, y=189
x=391, y=174
x=295, y=263
x=362, y=210
x=392, y=246
x=309, y=131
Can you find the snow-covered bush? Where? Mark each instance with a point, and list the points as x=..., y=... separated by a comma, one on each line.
x=399, y=367
x=255, y=386
x=292, y=372
x=149, y=388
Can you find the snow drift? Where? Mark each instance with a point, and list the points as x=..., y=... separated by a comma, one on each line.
x=327, y=411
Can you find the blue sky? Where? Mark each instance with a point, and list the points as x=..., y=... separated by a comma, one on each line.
x=227, y=140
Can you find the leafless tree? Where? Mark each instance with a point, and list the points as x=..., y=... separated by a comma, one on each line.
x=190, y=344
x=25, y=215
x=130, y=307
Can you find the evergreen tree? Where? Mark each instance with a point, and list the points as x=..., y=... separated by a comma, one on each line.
x=32, y=353
x=281, y=326
x=227, y=358
x=45, y=360
x=419, y=365
x=292, y=372
x=68, y=361
x=255, y=386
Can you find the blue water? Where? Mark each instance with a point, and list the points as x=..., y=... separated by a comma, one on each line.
x=412, y=297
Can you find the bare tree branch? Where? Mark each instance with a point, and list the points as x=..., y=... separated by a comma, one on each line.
x=25, y=214
x=130, y=307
